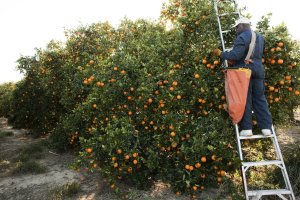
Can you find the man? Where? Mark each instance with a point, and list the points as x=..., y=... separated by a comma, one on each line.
x=256, y=98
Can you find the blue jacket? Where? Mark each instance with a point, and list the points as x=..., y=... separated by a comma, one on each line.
x=240, y=50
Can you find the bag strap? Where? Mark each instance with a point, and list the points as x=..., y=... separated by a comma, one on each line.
x=251, y=48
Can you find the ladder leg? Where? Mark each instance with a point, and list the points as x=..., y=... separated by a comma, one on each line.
x=283, y=170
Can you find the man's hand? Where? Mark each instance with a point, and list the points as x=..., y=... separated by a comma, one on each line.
x=217, y=52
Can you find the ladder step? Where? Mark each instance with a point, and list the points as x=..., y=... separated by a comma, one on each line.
x=225, y=31
x=262, y=163
x=232, y=13
x=255, y=137
x=268, y=192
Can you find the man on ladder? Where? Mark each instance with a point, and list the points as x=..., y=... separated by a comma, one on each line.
x=244, y=90
x=256, y=98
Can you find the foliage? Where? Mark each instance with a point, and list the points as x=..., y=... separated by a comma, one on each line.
x=6, y=90
x=146, y=99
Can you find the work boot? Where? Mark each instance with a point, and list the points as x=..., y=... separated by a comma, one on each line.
x=246, y=133
x=266, y=132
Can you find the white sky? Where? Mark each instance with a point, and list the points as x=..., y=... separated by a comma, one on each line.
x=33, y=23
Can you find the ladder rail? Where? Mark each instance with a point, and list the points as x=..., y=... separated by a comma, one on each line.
x=284, y=171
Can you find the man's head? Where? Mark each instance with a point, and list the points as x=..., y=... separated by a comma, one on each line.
x=242, y=24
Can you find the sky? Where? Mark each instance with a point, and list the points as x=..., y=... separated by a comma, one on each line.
x=30, y=24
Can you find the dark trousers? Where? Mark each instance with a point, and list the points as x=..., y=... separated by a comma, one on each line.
x=257, y=101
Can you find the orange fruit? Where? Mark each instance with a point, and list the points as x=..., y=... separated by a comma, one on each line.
x=115, y=68
x=91, y=62
x=150, y=100
x=203, y=175
x=113, y=158
x=280, y=61
x=89, y=150
x=204, y=61
x=203, y=159
x=135, y=155
x=94, y=106
x=119, y=151
x=197, y=165
x=187, y=167
x=197, y=76
x=219, y=179
x=216, y=62
x=95, y=166
x=195, y=188
x=191, y=168
x=213, y=157
x=178, y=97
x=135, y=162
x=222, y=173
x=297, y=92
x=116, y=165
x=172, y=134
x=175, y=83
x=126, y=157
x=123, y=72
x=280, y=44
x=287, y=77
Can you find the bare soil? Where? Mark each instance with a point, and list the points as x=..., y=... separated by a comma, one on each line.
x=92, y=186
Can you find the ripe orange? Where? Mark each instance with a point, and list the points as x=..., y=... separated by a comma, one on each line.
x=204, y=61
x=91, y=62
x=197, y=165
x=135, y=155
x=203, y=175
x=127, y=157
x=150, y=100
x=115, y=68
x=280, y=61
x=113, y=158
x=219, y=179
x=191, y=168
x=123, y=72
x=187, y=167
x=195, y=188
x=222, y=173
x=216, y=62
x=94, y=106
x=203, y=159
x=287, y=77
x=95, y=166
x=273, y=62
x=119, y=151
x=89, y=150
x=116, y=165
x=175, y=83
x=197, y=76
x=280, y=44
x=135, y=162
x=213, y=157
x=178, y=97
x=297, y=92
x=172, y=134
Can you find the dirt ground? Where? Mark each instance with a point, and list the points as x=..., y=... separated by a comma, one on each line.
x=45, y=186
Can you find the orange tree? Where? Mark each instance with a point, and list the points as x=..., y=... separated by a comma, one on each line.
x=146, y=99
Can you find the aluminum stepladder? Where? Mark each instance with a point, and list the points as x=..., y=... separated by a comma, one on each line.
x=284, y=194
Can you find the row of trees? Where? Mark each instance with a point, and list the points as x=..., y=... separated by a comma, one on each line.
x=142, y=100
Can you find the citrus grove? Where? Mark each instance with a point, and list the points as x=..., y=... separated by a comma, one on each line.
x=146, y=99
